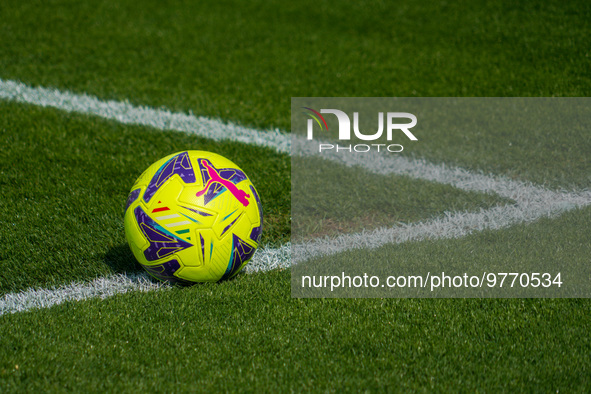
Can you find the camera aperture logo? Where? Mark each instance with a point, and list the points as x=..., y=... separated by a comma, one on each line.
x=392, y=127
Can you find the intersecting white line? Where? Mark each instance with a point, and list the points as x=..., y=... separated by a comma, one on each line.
x=162, y=119
x=532, y=202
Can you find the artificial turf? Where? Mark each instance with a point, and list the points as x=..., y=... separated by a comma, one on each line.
x=553, y=245
x=243, y=62
x=248, y=334
x=328, y=201
x=65, y=179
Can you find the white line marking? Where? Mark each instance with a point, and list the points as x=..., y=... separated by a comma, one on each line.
x=177, y=224
x=100, y=287
x=451, y=225
x=264, y=259
x=174, y=215
x=460, y=178
x=161, y=119
x=532, y=202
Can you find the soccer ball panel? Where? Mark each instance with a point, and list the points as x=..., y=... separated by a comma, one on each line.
x=193, y=216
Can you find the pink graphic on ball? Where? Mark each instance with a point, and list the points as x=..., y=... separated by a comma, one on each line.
x=214, y=177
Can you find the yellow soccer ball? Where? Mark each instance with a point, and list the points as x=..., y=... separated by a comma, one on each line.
x=193, y=216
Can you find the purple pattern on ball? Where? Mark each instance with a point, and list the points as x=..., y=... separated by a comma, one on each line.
x=179, y=165
x=197, y=211
x=162, y=242
x=257, y=231
x=230, y=225
x=131, y=198
x=165, y=272
x=241, y=252
x=202, y=247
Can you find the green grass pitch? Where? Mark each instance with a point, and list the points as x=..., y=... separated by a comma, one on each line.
x=64, y=179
